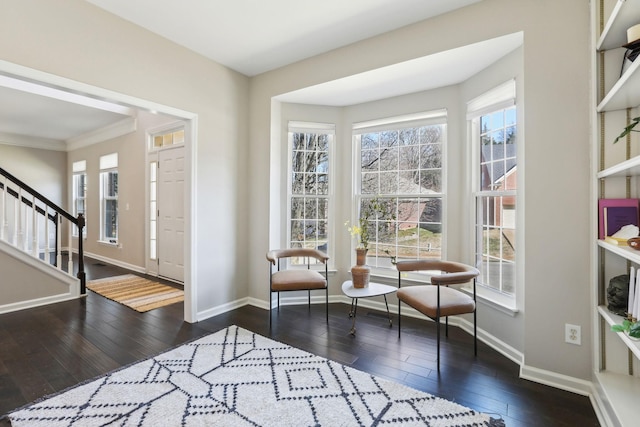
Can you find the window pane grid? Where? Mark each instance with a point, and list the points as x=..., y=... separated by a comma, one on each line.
x=402, y=170
x=309, y=195
x=153, y=210
x=496, y=201
x=79, y=196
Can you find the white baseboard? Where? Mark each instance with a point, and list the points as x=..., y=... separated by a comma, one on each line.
x=115, y=262
x=22, y=305
x=495, y=343
x=559, y=381
x=221, y=309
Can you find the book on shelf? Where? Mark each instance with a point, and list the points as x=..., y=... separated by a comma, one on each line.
x=613, y=214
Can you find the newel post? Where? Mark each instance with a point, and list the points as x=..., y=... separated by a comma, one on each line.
x=81, y=274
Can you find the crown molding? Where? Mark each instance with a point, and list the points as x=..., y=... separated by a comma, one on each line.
x=32, y=142
x=123, y=127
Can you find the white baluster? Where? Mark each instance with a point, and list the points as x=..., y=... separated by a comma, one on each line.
x=34, y=221
x=3, y=210
x=47, y=238
x=25, y=226
x=59, y=242
x=17, y=221
x=70, y=263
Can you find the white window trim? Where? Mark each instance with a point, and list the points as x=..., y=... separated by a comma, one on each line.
x=432, y=117
x=313, y=127
x=498, y=98
x=79, y=168
x=161, y=130
x=108, y=163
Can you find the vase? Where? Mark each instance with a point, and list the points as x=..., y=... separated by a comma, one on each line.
x=361, y=271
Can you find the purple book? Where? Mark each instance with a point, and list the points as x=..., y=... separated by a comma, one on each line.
x=616, y=218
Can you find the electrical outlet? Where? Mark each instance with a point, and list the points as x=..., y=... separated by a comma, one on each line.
x=572, y=334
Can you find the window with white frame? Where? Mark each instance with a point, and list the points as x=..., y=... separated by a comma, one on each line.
x=166, y=139
x=401, y=169
x=309, y=196
x=109, y=198
x=153, y=210
x=493, y=130
x=80, y=193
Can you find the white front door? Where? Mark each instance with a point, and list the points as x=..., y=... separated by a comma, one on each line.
x=171, y=175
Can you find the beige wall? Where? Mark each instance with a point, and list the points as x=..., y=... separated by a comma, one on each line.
x=231, y=184
x=78, y=41
x=132, y=184
x=43, y=170
x=556, y=134
x=22, y=282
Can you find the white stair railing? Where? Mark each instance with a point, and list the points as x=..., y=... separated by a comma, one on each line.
x=21, y=226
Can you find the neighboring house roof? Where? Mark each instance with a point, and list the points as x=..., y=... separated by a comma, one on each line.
x=499, y=152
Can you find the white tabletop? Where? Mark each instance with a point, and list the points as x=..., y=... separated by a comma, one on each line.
x=374, y=289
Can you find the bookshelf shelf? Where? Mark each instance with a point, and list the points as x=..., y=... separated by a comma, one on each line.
x=625, y=93
x=616, y=392
x=629, y=167
x=624, y=15
x=624, y=251
x=614, y=319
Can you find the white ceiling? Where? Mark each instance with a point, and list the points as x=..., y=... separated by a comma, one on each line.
x=253, y=36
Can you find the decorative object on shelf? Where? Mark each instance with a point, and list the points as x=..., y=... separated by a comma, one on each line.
x=361, y=272
x=632, y=329
x=631, y=294
x=629, y=128
x=633, y=48
x=630, y=326
x=634, y=243
x=613, y=214
x=618, y=293
x=622, y=236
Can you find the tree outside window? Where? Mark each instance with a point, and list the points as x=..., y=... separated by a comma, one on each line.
x=401, y=168
x=309, y=197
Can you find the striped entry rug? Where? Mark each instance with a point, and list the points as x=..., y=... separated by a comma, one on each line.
x=235, y=377
x=136, y=292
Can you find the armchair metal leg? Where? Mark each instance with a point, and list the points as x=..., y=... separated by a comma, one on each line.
x=438, y=344
x=326, y=303
x=270, y=304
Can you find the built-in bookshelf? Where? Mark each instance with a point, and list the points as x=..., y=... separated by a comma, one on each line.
x=616, y=355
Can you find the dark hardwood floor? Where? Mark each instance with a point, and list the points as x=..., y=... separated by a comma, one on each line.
x=48, y=349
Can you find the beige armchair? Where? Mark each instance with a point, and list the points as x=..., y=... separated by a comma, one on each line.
x=438, y=300
x=297, y=279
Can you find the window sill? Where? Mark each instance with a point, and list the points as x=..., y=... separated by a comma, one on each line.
x=494, y=299
x=108, y=243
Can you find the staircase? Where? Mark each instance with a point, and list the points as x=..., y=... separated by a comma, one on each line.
x=32, y=231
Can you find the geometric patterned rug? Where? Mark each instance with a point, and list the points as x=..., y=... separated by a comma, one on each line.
x=235, y=377
x=136, y=292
